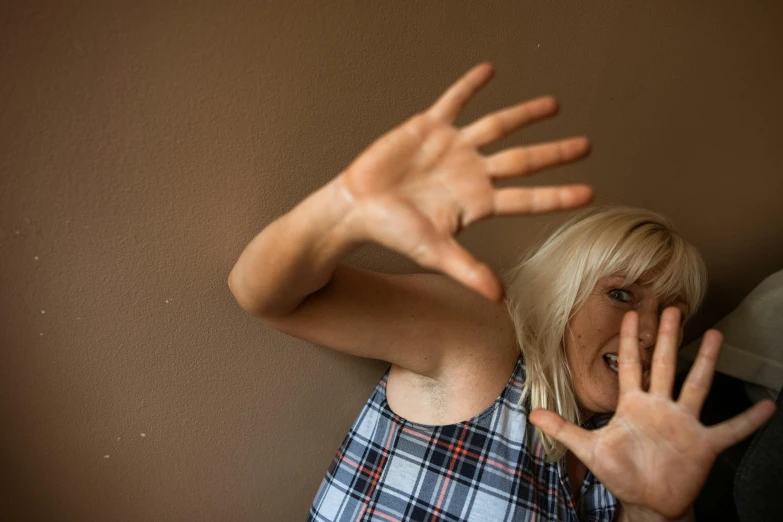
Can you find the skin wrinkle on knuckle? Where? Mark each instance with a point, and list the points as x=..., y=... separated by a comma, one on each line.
x=525, y=113
x=495, y=127
x=562, y=197
x=536, y=202
x=527, y=199
x=505, y=124
x=695, y=386
x=529, y=160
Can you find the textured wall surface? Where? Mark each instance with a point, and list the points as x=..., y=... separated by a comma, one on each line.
x=143, y=144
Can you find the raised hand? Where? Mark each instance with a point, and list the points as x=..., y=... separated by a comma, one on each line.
x=422, y=182
x=655, y=455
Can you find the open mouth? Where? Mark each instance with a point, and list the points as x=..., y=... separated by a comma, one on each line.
x=610, y=360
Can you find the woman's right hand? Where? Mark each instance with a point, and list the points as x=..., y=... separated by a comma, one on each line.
x=418, y=185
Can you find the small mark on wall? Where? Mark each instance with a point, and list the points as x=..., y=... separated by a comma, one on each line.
x=105, y=456
x=143, y=434
x=43, y=311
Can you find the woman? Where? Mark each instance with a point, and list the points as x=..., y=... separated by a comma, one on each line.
x=477, y=417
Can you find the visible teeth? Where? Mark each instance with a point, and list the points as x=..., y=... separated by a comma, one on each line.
x=611, y=360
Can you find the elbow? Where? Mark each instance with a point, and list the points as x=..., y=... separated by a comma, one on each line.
x=242, y=300
x=251, y=301
x=232, y=284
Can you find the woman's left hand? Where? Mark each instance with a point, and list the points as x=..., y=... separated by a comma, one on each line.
x=655, y=455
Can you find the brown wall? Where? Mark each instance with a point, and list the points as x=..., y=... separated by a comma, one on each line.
x=144, y=143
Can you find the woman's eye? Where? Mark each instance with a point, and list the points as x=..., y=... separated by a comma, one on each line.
x=620, y=295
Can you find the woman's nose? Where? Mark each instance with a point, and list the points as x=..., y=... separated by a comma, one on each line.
x=648, y=328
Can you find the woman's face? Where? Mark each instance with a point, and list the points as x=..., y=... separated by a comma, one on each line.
x=594, y=341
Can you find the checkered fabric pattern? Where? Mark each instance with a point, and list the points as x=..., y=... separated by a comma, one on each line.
x=490, y=468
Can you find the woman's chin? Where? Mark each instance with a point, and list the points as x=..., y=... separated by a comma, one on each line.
x=608, y=408
x=599, y=403
x=602, y=393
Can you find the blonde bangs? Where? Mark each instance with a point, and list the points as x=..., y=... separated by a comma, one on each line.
x=676, y=269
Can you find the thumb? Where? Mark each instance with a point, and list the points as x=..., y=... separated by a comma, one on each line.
x=458, y=263
x=574, y=438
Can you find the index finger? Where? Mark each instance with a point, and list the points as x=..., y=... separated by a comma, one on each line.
x=451, y=102
x=628, y=364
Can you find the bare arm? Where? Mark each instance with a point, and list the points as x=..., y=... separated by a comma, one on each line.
x=410, y=191
x=295, y=255
x=290, y=276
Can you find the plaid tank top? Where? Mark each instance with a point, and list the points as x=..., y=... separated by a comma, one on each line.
x=489, y=468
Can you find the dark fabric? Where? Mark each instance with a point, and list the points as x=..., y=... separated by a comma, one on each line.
x=758, y=484
x=725, y=400
x=717, y=500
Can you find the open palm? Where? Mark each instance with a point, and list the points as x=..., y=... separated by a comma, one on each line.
x=655, y=454
x=419, y=184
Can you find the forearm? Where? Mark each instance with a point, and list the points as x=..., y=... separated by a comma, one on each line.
x=295, y=255
x=639, y=515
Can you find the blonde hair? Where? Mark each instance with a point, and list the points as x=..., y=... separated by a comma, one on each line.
x=546, y=288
